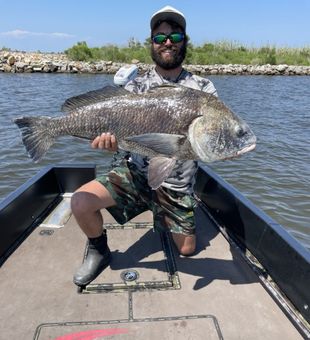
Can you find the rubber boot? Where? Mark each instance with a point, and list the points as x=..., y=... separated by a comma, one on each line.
x=97, y=259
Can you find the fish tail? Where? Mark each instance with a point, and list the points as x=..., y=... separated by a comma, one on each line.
x=36, y=135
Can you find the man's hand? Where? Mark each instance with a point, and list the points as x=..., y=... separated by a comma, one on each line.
x=105, y=141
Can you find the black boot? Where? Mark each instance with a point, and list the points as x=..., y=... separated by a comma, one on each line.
x=97, y=259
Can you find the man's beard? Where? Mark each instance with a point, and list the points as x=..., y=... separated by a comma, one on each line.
x=176, y=61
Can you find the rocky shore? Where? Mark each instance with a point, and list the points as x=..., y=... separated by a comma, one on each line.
x=22, y=62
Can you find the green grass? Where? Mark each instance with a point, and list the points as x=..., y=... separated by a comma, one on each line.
x=110, y=52
x=223, y=52
x=232, y=53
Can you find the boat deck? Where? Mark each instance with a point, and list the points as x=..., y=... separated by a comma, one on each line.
x=211, y=295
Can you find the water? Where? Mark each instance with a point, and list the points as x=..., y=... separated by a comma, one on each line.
x=275, y=176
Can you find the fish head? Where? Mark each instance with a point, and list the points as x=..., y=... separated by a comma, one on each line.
x=220, y=134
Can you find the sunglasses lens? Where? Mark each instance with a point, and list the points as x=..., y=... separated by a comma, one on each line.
x=173, y=37
x=159, y=38
x=176, y=37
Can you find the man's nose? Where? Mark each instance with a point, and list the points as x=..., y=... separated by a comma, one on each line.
x=168, y=42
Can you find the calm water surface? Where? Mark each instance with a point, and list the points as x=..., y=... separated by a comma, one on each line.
x=275, y=176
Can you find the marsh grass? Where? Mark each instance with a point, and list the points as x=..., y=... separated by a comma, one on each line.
x=222, y=52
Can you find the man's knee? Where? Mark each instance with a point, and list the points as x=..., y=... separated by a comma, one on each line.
x=186, y=244
x=91, y=197
x=187, y=250
x=80, y=203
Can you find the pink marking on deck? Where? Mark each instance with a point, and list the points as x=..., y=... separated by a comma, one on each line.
x=92, y=334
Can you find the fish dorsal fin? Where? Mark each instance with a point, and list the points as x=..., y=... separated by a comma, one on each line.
x=162, y=143
x=92, y=97
x=159, y=170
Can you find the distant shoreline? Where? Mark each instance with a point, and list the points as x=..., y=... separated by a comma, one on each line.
x=27, y=62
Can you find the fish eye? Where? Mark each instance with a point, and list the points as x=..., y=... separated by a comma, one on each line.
x=240, y=132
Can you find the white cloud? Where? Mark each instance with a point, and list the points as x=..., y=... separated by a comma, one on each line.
x=24, y=34
x=62, y=35
x=15, y=33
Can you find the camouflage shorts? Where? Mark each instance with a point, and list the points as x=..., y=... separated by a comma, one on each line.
x=172, y=211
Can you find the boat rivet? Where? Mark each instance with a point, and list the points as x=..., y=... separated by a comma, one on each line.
x=129, y=275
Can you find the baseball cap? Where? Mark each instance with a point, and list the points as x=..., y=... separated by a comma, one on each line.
x=168, y=13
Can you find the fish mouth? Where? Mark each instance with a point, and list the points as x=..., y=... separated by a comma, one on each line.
x=242, y=151
x=246, y=149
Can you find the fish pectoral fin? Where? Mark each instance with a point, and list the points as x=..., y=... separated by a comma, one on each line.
x=159, y=169
x=163, y=143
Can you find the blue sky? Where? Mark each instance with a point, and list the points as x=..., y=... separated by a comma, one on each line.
x=55, y=25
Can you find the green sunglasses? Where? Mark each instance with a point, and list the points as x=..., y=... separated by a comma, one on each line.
x=161, y=38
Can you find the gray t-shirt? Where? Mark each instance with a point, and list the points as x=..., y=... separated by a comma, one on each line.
x=182, y=177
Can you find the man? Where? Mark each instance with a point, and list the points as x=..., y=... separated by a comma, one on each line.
x=124, y=191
